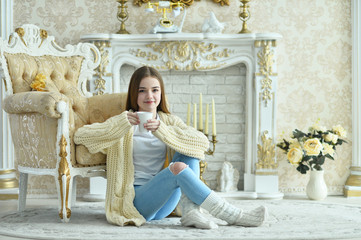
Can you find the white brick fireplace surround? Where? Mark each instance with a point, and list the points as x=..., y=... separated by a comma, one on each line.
x=237, y=70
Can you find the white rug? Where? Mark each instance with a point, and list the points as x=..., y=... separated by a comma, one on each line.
x=288, y=219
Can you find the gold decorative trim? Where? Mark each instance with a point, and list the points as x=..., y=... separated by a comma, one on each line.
x=186, y=2
x=21, y=33
x=6, y=87
x=183, y=55
x=351, y=193
x=354, y=180
x=266, y=153
x=260, y=112
x=7, y=171
x=202, y=167
x=262, y=43
x=273, y=173
x=100, y=71
x=265, y=62
x=9, y=196
x=355, y=168
x=6, y=183
x=95, y=54
x=222, y=2
x=64, y=170
x=43, y=36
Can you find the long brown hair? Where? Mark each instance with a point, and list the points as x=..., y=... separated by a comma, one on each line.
x=133, y=89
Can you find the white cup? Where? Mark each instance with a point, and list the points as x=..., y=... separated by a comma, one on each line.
x=144, y=117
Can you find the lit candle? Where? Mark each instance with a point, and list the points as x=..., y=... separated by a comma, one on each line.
x=200, y=113
x=189, y=114
x=195, y=115
x=206, y=124
x=214, y=133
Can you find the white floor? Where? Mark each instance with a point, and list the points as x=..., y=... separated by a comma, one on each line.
x=11, y=205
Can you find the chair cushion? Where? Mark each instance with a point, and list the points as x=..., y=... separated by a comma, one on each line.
x=84, y=158
x=102, y=107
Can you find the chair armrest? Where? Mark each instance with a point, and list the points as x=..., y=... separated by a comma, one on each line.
x=102, y=107
x=34, y=102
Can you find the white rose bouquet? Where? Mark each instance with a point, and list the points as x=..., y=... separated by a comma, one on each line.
x=310, y=150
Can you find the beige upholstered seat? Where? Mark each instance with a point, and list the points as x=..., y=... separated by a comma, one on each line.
x=46, y=101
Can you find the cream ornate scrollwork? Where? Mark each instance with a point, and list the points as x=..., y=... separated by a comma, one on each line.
x=64, y=170
x=100, y=71
x=184, y=55
x=266, y=153
x=265, y=62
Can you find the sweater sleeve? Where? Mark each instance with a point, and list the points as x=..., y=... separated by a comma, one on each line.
x=181, y=137
x=97, y=137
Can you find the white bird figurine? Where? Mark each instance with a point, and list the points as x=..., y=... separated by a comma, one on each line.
x=212, y=25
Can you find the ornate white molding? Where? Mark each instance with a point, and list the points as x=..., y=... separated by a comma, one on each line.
x=353, y=184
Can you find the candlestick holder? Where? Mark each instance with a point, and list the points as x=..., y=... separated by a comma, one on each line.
x=203, y=164
x=244, y=15
x=122, y=16
x=213, y=141
x=202, y=167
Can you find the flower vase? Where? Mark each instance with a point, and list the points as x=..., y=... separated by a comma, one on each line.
x=316, y=188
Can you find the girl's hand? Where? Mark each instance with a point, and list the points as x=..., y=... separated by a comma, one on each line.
x=133, y=118
x=152, y=125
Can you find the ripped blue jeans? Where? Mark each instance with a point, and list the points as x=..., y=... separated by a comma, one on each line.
x=159, y=197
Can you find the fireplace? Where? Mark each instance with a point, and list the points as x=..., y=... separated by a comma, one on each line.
x=237, y=70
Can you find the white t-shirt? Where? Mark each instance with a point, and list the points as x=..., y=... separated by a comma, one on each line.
x=149, y=154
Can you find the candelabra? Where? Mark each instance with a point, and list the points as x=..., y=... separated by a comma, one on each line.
x=203, y=164
x=122, y=16
x=212, y=148
x=213, y=141
x=244, y=15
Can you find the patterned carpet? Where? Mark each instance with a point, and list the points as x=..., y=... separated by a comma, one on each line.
x=288, y=219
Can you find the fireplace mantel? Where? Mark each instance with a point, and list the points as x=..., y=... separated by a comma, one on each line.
x=209, y=52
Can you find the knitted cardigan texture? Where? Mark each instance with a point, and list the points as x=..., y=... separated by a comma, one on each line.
x=114, y=138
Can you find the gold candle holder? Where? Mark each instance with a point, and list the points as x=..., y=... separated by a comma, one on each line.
x=203, y=164
x=122, y=16
x=213, y=141
x=244, y=15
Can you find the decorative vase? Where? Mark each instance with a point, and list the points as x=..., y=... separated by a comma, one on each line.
x=316, y=188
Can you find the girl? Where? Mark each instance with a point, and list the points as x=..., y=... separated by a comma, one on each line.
x=140, y=185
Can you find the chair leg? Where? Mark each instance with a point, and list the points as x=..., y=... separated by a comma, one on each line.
x=23, y=188
x=65, y=192
x=73, y=192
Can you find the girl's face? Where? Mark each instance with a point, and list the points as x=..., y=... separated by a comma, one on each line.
x=149, y=95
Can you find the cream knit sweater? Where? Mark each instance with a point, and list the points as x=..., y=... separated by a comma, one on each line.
x=114, y=138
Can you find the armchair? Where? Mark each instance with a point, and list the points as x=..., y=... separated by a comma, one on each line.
x=47, y=101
